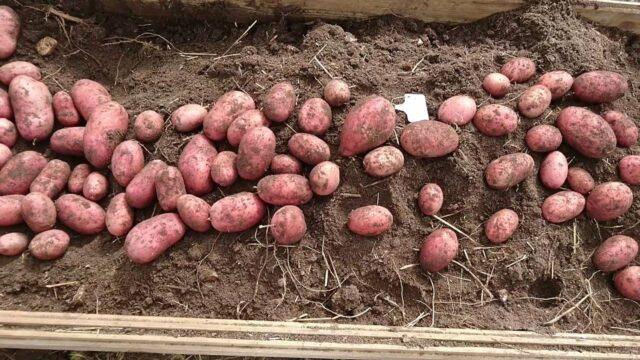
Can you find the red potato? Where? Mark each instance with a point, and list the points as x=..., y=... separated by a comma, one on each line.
x=255, y=152
x=195, y=165
x=87, y=95
x=429, y=139
x=127, y=161
x=12, y=69
x=6, y=111
x=629, y=169
x=558, y=82
x=194, y=212
x=152, y=237
x=141, y=190
x=562, y=206
x=9, y=31
x=68, y=141
x=64, y=109
x=383, y=161
x=430, y=199
x=438, y=250
x=169, y=187
x=18, y=173
x=32, y=110
x=519, y=69
x=49, y=245
x=119, y=216
x=586, y=132
x=79, y=214
x=13, y=244
x=580, y=180
x=609, y=200
x=95, y=187
x=501, y=226
x=627, y=282
x=284, y=189
x=106, y=128
x=554, y=170
x=77, y=178
x=148, y=126
x=279, y=102
x=543, y=138
x=371, y=220
x=285, y=164
x=223, y=168
x=38, y=212
x=308, y=148
x=534, y=101
x=288, y=225
x=5, y=154
x=314, y=116
x=236, y=213
x=368, y=125
x=336, y=92
x=496, y=84
x=247, y=120
x=615, y=253
x=457, y=110
x=216, y=122
x=52, y=179
x=509, y=170
x=600, y=86
x=8, y=133
x=188, y=117
x=11, y=210
x=623, y=127
x=495, y=120
x=324, y=178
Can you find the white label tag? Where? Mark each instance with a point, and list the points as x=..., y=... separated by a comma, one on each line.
x=415, y=106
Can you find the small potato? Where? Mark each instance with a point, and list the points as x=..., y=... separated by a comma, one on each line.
x=247, y=120
x=554, y=170
x=279, y=102
x=324, y=178
x=6, y=111
x=534, y=101
x=586, y=132
x=562, y=206
x=429, y=139
x=496, y=84
x=127, y=161
x=5, y=154
x=236, y=213
x=457, y=110
x=169, y=187
x=368, y=125
x=77, y=178
x=495, y=120
x=106, y=128
x=580, y=180
x=87, y=95
x=629, y=169
x=9, y=31
x=288, y=225
x=32, y=109
x=148, y=126
x=383, y=161
x=141, y=190
x=255, y=152
x=11, y=210
x=337, y=92
x=64, y=109
x=519, y=69
x=119, y=216
x=18, y=173
x=314, y=116
x=49, y=245
x=438, y=250
x=13, y=244
x=285, y=164
x=223, y=168
x=609, y=200
x=627, y=282
x=284, y=189
x=615, y=253
x=12, y=69
x=430, y=199
x=543, y=138
x=623, y=127
x=371, y=220
x=188, y=117
x=68, y=141
x=195, y=165
x=8, y=133
x=52, y=179
x=79, y=214
x=216, y=122
x=194, y=212
x=600, y=86
x=38, y=212
x=501, y=226
x=152, y=237
x=509, y=170
x=558, y=82
x=308, y=148
x=95, y=187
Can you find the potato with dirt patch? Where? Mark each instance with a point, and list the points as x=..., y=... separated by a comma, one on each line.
x=68, y=141
x=38, y=212
x=627, y=282
x=32, y=109
x=558, y=82
x=148, y=126
x=495, y=120
x=580, y=180
x=429, y=139
x=11, y=210
x=169, y=187
x=288, y=225
x=119, y=216
x=64, y=109
x=52, y=179
x=496, y=84
x=13, y=244
x=77, y=178
x=279, y=102
x=285, y=164
x=368, y=125
x=9, y=31
x=615, y=253
x=383, y=161
x=194, y=212
x=106, y=128
x=195, y=165
x=149, y=239
x=623, y=127
x=255, y=152
x=18, y=173
x=308, y=148
x=8, y=133
x=336, y=92
x=6, y=112
x=5, y=154
x=600, y=86
x=314, y=116
x=609, y=200
x=324, y=178
x=127, y=161
x=223, y=168
x=519, y=69
x=11, y=70
x=543, y=138
x=79, y=214
x=87, y=95
x=534, y=101
x=95, y=187
x=501, y=226
x=188, y=117
x=586, y=132
x=236, y=213
x=141, y=190
x=438, y=250
x=509, y=170
x=457, y=110
x=216, y=122
x=370, y=220
x=247, y=120
x=629, y=169
x=430, y=199
x=284, y=189
x=562, y=206
x=554, y=170
x=49, y=245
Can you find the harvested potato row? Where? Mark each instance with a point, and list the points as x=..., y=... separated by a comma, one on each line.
x=242, y=123
x=501, y=226
x=18, y=173
x=285, y=164
x=38, y=212
x=324, y=178
x=150, y=238
x=496, y=84
x=429, y=139
x=119, y=216
x=495, y=120
x=87, y=95
x=558, y=82
x=438, y=250
x=49, y=245
x=64, y=109
x=615, y=253
x=223, y=168
x=284, y=189
x=543, y=138
x=519, y=69
x=81, y=215
x=308, y=148
x=255, y=153
x=336, y=92
x=12, y=69
x=148, y=126
x=195, y=165
x=430, y=199
x=32, y=107
x=562, y=206
x=609, y=200
x=371, y=220
x=288, y=225
x=188, y=117
x=68, y=141
x=236, y=213
x=509, y=170
x=9, y=31
x=600, y=86
x=106, y=128
x=231, y=104
x=368, y=125
x=13, y=244
x=457, y=110
x=279, y=102
x=383, y=161
x=314, y=116
x=127, y=161
x=11, y=210
x=194, y=212
x=52, y=179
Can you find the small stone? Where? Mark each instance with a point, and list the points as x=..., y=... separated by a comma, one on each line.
x=420, y=42
x=79, y=296
x=147, y=301
x=208, y=275
x=46, y=46
x=503, y=295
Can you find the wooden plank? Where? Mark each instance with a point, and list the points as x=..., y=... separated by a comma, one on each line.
x=621, y=14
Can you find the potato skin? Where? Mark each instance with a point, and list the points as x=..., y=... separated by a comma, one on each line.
x=314, y=116
x=629, y=169
x=148, y=126
x=457, y=110
x=370, y=220
x=368, y=125
x=519, y=69
x=150, y=238
x=18, y=173
x=95, y=187
x=87, y=95
x=127, y=161
x=543, y=138
x=496, y=84
x=11, y=210
x=623, y=127
x=558, y=82
x=586, y=132
x=495, y=120
x=9, y=31
x=534, y=101
x=141, y=190
x=13, y=244
x=627, y=282
x=119, y=216
x=8, y=133
x=188, y=117
x=195, y=165
x=284, y=189
x=501, y=226
x=580, y=180
x=600, y=86
x=106, y=128
x=12, y=69
x=52, y=179
x=438, y=250
x=615, y=253
x=288, y=225
x=6, y=112
x=308, y=148
x=169, y=187
x=64, y=109
x=242, y=123
x=429, y=139
x=5, y=154
x=81, y=215
x=383, y=161
x=285, y=164
x=562, y=206
x=509, y=170
x=224, y=111
x=336, y=92
x=49, y=245
x=279, y=102
x=38, y=212
x=68, y=141
x=32, y=109
x=77, y=178
x=430, y=199
x=609, y=200
x=236, y=213
x=255, y=152
x=554, y=170
x=324, y=178
x=223, y=168
x=194, y=212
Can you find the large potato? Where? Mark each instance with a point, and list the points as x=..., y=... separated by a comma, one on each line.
x=8, y=133
x=148, y=126
x=288, y=225
x=11, y=210
x=18, y=173
x=9, y=31
x=141, y=190
x=152, y=237
x=336, y=92
x=519, y=69
x=558, y=82
x=509, y=170
x=12, y=69
x=615, y=253
x=32, y=109
x=223, y=168
x=368, y=125
x=216, y=122
x=580, y=180
x=95, y=187
x=501, y=226
x=543, y=138
x=285, y=164
x=38, y=212
x=119, y=216
x=429, y=139
x=629, y=169
x=87, y=95
x=324, y=178
x=68, y=141
x=64, y=109
x=496, y=84
x=13, y=244
x=438, y=250
x=127, y=161
x=77, y=178
x=106, y=128
x=81, y=215
x=308, y=148
x=194, y=212
x=255, y=152
x=52, y=179
x=371, y=220
x=247, y=120
x=188, y=117
x=430, y=199
x=609, y=200
x=284, y=189
x=279, y=102
x=534, y=101
x=623, y=127
x=457, y=110
x=554, y=170
x=495, y=120
x=586, y=132
x=6, y=112
x=600, y=86
x=314, y=116
x=383, y=161
x=236, y=213
x=195, y=165
x=169, y=187
x=49, y=245
x=627, y=282
x=562, y=206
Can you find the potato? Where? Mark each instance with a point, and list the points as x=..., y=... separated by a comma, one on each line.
x=188, y=117
x=288, y=225
x=496, y=84
x=383, y=161
x=119, y=216
x=5, y=154
x=247, y=120
x=236, y=213
x=629, y=169
x=554, y=170
x=429, y=139
x=586, y=132
x=562, y=206
x=9, y=31
x=13, y=244
x=68, y=141
x=627, y=282
x=430, y=199
x=127, y=161
x=519, y=69
x=106, y=128
x=49, y=245
x=501, y=226
x=11, y=210
x=285, y=164
x=279, y=102
x=12, y=69
x=169, y=187
x=79, y=214
x=18, y=173
x=148, y=126
x=87, y=95
x=216, y=122
x=600, y=86
x=324, y=178
x=558, y=82
x=308, y=148
x=534, y=101
x=95, y=187
x=8, y=133
x=580, y=180
x=32, y=110
x=285, y=189
x=368, y=125
x=457, y=110
x=152, y=237
x=52, y=179
x=6, y=112
x=223, y=168
x=38, y=212
x=141, y=190
x=64, y=109
x=194, y=212
x=509, y=170
x=77, y=178
x=255, y=152
x=371, y=220
x=314, y=116
x=609, y=200
x=438, y=250
x=615, y=253
x=543, y=138
x=336, y=92
x=623, y=127
x=195, y=165
x=495, y=120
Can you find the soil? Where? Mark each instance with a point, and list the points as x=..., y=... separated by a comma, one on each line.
x=540, y=272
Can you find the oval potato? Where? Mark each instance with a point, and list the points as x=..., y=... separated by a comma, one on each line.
x=49, y=245
x=77, y=178
x=496, y=84
x=216, y=122
x=580, y=180
x=169, y=187
x=31, y=102
x=127, y=161
x=95, y=187
x=288, y=225
x=141, y=190
x=534, y=101
x=52, y=179
x=150, y=238
x=8, y=133
x=383, y=161
x=255, y=152
x=81, y=215
x=554, y=170
x=562, y=206
x=324, y=178
x=429, y=139
x=195, y=165
x=284, y=189
x=194, y=212
x=38, y=212
x=543, y=138
x=119, y=216
x=12, y=69
x=430, y=199
x=336, y=92
x=368, y=125
x=11, y=210
x=279, y=101
x=586, y=132
x=600, y=86
x=18, y=173
x=106, y=128
x=87, y=95
x=615, y=253
x=457, y=110
x=64, y=109
x=609, y=200
x=13, y=244
x=558, y=82
x=627, y=282
x=314, y=116
x=188, y=117
x=223, y=168
x=519, y=69
x=495, y=120
x=370, y=220
x=308, y=148
x=236, y=213
x=68, y=141
x=438, y=250
x=501, y=226
x=148, y=126
x=629, y=169
x=509, y=170
x=9, y=31
x=623, y=127
x=285, y=164
x=247, y=120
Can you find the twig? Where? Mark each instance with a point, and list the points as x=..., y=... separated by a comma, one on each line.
x=475, y=278
x=453, y=227
x=566, y=312
x=61, y=284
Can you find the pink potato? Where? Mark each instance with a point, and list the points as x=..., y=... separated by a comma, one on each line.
x=255, y=152
x=194, y=212
x=38, y=212
x=509, y=170
x=64, y=109
x=52, y=179
x=324, y=178
x=79, y=214
x=308, y=148
x=223, y=168
x=8, y=133
x=495, y=120
x=438, y=250
x=68, y=141
x=18, y=173
x=12, y=69
x=600, y=86
x=609, y=200
x=11, y=210
x=534, y=101
x=6, y=111
x=627, y=282
x=188, y=117
x=141, y=190
x=169, y=187
x=77, y=178
x=5, y=154
x=519, y=69
x=279, y=102
x=430, y=199
x=148, y=126
x=615, y=253
x=562, y=206
x=457, y=110
x=32, y=109
x=195, y=165
x=13, y=244
x=49, y=245
x=95, y=187
x=288, y=225
x=236, y=213
x=368, y=125
x=9, y=31
x=284, y=189
x=554, y=170
x=623, y=127
x=496, y=84
x=370, y=220
x=152, y=237
x=429, y=139
x=629, y=169
x=558, y=82
x=106, y=128
x=336, y=92
x=543, y=138
x=247, y=120
x=285, y=164
x=383, y=161
x=87, y=95
x=586, y=132
x=501, y=226
x=119, y=216
x=314, y=116
x=216, y=122
x=580, y=180
x=127, y=161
